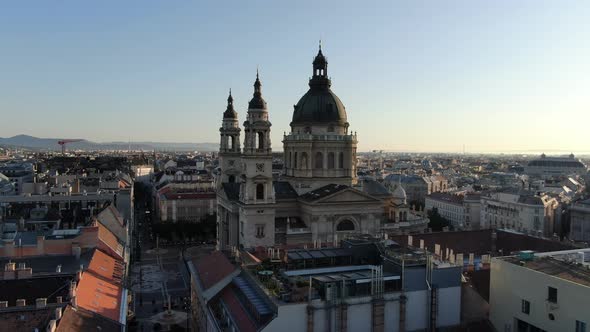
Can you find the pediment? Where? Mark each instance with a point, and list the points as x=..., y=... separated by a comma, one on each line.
x=348, y=195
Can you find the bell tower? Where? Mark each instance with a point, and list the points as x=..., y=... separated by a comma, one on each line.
x=257, y=195
x=229, y=147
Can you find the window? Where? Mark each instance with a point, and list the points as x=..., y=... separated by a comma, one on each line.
x=260, y=191
x=580, y=326
x=295, y=161
x=525, y=307
x=552, y=294
x=330, y=160
x=319, y=160
x=260, y=140
x=345, y=225
x=341, y=160
x=304, y=160
x=232, y=179
x=260, y=230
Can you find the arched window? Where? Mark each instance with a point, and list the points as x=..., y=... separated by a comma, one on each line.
x=341, y=160
x=345, y=225
x=319, y=160
x=295, y=165
x=260, y=140
x=405, y=216
x=231, y=142
x=231, y=179
x=400, y=216
x=331, y=160
x=304, y=160
x=260, y=191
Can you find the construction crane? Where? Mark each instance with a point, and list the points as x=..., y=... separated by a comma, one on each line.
x=63, y=143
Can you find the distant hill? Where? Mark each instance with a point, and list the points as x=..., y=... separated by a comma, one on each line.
x=36, y=143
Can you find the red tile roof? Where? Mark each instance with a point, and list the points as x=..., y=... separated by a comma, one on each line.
x=212, y=268
x=99, y=296
x=78, y=319
x=106, y=267
x=100, y=288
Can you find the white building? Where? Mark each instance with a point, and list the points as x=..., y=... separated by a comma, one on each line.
x=449, y=206
x=546, y=167
x=541, y=292
x=521, y=211
x=143, y=173
x=580, y=221
x=472, y=205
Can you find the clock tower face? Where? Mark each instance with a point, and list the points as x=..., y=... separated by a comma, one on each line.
x=259, y=167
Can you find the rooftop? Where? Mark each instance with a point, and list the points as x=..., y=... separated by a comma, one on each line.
x=564, y=266
x=445, y=197
x=322, y=192
x=212, y=268
x=79, y=319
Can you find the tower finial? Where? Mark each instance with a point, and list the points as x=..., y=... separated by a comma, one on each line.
x=256, y=71
x=320, y=44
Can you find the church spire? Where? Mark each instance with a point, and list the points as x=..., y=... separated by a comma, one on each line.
x=257, y=101
x=320, y=71
x=230, y=113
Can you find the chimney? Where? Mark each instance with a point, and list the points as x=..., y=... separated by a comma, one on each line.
x=58, y=299
x=10, y=266
x=58, y=269
x=21, y=303
x=22, y=266
x=41, y=302
x=57, y=314
x=76, y=251
x=52, y=326
x=3, y=304
x=72, y=289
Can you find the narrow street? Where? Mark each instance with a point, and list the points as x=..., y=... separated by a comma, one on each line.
x=157, y=276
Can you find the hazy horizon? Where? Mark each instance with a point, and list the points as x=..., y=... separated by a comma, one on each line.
x=419, y=76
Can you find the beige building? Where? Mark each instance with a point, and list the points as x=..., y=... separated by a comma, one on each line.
x=541, y=292
x=521, y=211
x=318, y=199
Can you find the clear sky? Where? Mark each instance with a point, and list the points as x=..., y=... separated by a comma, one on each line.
x=498, y=75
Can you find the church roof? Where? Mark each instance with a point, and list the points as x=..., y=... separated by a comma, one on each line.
x=319, y=104
x=374, y=188
x=284, y=190
x=322, y=192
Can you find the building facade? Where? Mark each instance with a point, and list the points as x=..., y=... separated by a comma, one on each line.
x=521, y=211
x=449, y=206
x=540, y=292
x=546, y=167
x=580, y=221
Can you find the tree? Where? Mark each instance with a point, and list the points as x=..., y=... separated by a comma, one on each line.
x=437, y=222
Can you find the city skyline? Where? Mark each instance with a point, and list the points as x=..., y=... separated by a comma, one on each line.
x=414, y=77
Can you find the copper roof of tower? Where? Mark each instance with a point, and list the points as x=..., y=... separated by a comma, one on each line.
x=230, y=113
x=319, y=104
x=257, y=101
